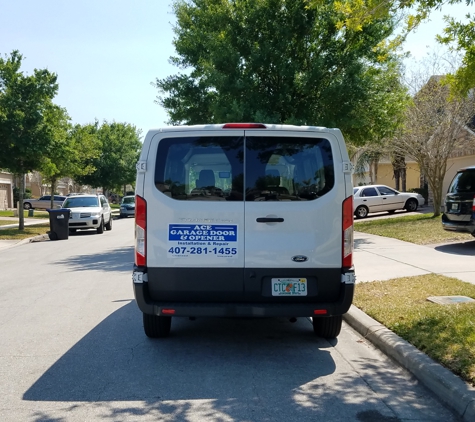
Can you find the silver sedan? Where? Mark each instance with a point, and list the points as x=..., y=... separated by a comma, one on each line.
x=377, y=198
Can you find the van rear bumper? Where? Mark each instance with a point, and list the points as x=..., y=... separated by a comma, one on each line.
x=461, y=226
x=243, y=309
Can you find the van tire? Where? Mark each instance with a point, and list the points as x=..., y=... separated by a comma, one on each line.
x=156, y=326
x=327, y=327
x=361, y=212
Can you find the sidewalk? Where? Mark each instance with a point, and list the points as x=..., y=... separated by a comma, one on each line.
x=383, y=258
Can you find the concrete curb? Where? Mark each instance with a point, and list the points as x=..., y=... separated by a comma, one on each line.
x=448, y=387
x=39, y=238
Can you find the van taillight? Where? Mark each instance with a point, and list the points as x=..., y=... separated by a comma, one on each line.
x=244, y=126
x=140, y=231
x=347, y=247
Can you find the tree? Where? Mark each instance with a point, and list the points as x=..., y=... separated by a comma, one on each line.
x=460, y=36
x=434, y=129
x=276, y=61
x=27, y=118
x=55, y=164
x=72, y=153
x=114, y=166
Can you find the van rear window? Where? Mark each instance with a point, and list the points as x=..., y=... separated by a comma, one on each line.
x=464, y=181
x=236, y=168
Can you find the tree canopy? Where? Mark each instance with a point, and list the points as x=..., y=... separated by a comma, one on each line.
x=459, y=35
x=119, y=150
x=280, y=61
x=28, y=116
x=71, y=153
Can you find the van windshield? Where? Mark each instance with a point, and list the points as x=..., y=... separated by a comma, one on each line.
x=228, y=168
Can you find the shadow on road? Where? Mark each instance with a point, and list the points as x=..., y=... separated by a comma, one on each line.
x=202, y=359
x=114, y=260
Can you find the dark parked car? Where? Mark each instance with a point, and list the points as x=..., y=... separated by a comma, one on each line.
x=127, y=206
x=459, y=215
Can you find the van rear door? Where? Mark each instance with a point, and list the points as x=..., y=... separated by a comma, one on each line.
x=195, y=216
x=293, y=209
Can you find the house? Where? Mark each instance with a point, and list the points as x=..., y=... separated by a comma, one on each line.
x=6, y=190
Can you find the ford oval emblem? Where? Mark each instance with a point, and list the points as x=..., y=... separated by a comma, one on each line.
x=299, y=258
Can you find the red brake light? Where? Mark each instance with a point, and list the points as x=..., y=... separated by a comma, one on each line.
x=140, y=231
x=320, y=312
x=244, y=126
x=168, y=311
x=347, y=228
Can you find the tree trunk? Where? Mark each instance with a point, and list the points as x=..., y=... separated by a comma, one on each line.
x=396, y=173
x=403, y=179
x=21, y=196
x=375, y=167
x=53, y=188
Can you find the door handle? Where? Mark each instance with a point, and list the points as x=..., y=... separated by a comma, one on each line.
x=270, y=220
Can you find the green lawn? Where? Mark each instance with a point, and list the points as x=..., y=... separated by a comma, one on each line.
x=422, y=229
x=36, y=214
x=28, y=231
x=446, y=333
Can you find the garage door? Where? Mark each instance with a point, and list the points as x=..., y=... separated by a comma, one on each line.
x=3, y=197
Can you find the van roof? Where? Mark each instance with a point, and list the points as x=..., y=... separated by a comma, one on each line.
x=243, y=126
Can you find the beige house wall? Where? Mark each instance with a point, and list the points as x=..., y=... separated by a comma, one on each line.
x=385, y=176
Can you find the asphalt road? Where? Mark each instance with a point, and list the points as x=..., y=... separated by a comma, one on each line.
x=72, y=348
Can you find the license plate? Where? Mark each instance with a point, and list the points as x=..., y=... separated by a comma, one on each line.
x=289, y=286
x=454, y=207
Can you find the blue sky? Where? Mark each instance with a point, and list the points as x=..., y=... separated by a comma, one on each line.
x=107, y=53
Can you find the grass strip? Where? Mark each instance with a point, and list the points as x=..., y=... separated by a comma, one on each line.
x=422, y=229
x=37, y=214
x=446, y=333
x=28, y=231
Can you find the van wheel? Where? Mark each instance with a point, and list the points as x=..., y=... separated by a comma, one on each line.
x=327, y=327
x=411, y=205
x=361, y=211
x=109, y=224
x=156, y=326
x=100, y=229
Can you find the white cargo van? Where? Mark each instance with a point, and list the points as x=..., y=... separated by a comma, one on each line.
x=244, y=220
